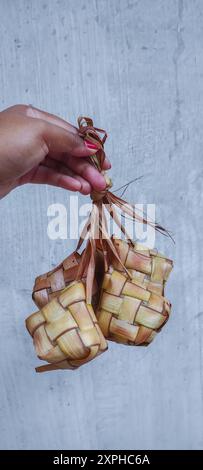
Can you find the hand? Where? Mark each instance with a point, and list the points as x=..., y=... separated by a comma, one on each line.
x=37, y=147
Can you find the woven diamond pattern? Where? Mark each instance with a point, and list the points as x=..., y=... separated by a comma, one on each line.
x=132, y=311
x=49, y=285
x=65, y=331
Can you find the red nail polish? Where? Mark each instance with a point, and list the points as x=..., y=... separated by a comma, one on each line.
x=90, y=145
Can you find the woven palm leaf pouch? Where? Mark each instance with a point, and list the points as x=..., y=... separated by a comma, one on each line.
x=65, y=331
x=49, y=285
x=114, y=290
x=132, y=310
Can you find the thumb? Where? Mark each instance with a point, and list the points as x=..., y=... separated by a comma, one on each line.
x=59, y=140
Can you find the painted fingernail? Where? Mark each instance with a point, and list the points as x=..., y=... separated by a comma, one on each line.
x=90, y=145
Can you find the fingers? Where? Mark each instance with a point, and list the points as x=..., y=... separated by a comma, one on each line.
x=68, y=167
x=54, y=137
x=50, y=118
x=44, y=175
x=85, y=186
x=55, y=173
x=107, y=164
x=59, y=140
x=31, y=111
x=55, y=120
x=83, y=168
x=62, y=168
x=59, y=135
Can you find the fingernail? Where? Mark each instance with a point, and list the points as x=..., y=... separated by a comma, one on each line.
x=90, y=145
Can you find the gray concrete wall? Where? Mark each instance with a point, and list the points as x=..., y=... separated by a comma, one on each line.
x=137, y=68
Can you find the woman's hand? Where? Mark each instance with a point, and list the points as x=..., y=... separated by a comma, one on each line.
x=37, y=147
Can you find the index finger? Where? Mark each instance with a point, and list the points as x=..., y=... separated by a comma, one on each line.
x=50, y=118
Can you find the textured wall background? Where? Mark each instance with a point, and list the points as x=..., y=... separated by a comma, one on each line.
x=137, y=68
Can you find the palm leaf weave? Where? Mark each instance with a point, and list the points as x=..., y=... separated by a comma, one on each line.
x=132, y=311
x=132, y=306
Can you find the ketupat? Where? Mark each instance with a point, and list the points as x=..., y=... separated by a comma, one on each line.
x=65, y=331
x=132, y=311
x=49, y=285
x=132, y=305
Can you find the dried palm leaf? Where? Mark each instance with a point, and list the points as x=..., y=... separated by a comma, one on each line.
x=132, y=311
x=49, y=285
x=65, y=331
x=132, y=304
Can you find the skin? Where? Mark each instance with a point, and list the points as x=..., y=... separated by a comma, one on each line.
x=37, y=147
